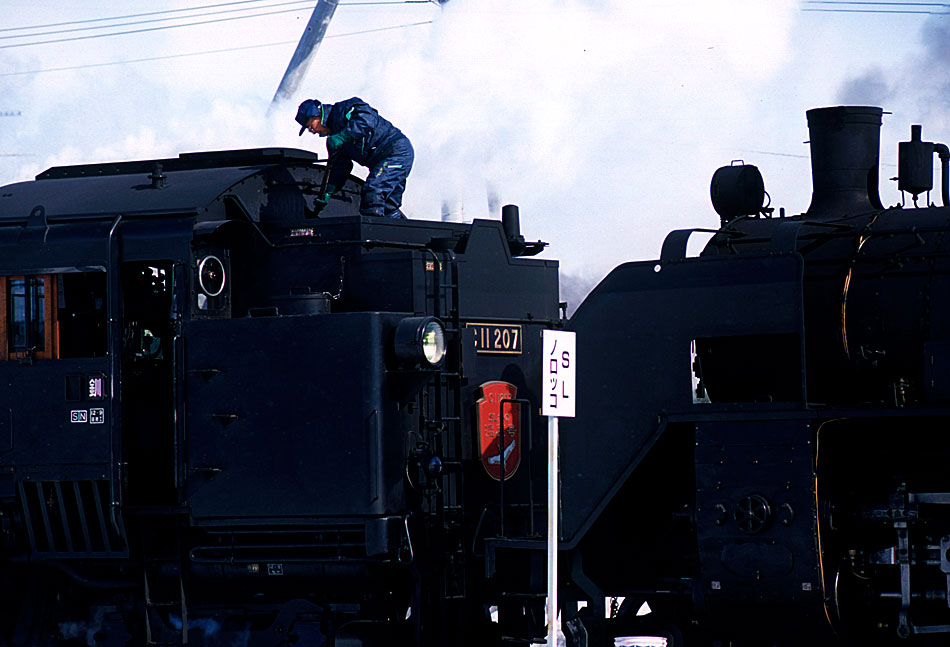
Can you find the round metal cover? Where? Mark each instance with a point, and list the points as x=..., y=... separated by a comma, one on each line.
x=211, y=276
x=752, y=513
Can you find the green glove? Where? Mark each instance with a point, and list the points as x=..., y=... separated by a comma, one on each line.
x=337, y=140
x=322, y=201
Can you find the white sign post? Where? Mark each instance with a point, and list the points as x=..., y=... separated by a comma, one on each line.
x=558, y=378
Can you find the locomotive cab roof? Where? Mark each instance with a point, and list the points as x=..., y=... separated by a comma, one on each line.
x=188, y=184
x=273, y=189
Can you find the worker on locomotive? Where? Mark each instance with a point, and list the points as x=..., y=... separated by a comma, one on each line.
x=357, y=133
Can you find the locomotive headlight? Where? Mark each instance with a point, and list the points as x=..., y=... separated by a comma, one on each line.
x=211, y=275
x=420, y=340
x=433, y=342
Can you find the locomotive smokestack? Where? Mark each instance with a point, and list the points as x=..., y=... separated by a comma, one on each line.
x=845, y=145
x=511, y=221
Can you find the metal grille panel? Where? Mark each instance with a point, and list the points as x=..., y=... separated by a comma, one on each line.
x=71, y=518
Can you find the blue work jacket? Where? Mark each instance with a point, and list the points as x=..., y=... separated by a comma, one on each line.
x=368, y=137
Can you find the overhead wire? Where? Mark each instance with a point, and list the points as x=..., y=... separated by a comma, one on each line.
x=881, y=13
x=133, y=15
x=153, y=20
x=213, y=51
x=885, y=4
x=191, y=9
x=777, y=154
x=147, y=29
x=845, y=6
x=385, y=2
x=307, y=4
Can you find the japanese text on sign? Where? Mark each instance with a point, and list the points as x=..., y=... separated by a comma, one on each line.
x=94, y=384
x=558, y=373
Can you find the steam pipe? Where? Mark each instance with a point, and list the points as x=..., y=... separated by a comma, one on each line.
x=944, y=152
x=306, y=49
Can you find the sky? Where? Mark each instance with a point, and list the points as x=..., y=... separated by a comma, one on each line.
x=603, y=120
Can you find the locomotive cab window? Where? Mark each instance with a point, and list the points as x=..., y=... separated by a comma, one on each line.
x=741, y=368
x=81, y=314
x=27, y=315
x=147, y=288
x=53, y=316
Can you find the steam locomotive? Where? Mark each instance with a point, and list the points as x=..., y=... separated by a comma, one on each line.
x=230, y=418
x=226, y=421
x=762, y=453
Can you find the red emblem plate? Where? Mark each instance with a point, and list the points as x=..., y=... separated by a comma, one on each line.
x=488, y=409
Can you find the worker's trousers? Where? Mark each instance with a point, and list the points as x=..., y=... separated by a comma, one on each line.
x=384, y=186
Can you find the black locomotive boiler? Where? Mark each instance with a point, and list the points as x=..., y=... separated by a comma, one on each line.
x=226, y=421
x=761, y=446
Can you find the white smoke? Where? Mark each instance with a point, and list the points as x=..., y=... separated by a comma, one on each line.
x=912, y=89
x=915, y=86
x=586, y=113
x=602, y=119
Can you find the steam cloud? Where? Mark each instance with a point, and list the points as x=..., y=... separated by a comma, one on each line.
x=602, y=119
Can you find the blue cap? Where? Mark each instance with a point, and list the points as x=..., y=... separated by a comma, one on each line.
x=307, y=110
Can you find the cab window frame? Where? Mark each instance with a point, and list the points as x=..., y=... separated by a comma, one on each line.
x=40, y=324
